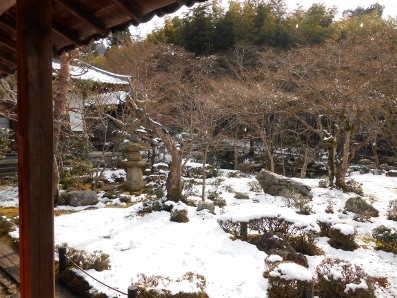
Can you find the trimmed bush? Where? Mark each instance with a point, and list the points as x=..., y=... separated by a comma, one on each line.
x=179, y=216
x=324, y=227
x=97, y=260
x=340, y=279
x=155, y=286
x=392, y=210
x=78, y=285
x=386, y=238
x=354, y=186
x=288, y=280
x=342, y=237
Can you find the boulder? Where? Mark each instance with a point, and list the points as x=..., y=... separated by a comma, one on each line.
x=206, y=205
x=82, y=198
x=278, y=185
x=391, y=173
x=241, y=196
x=364, y=161
x=358, y=205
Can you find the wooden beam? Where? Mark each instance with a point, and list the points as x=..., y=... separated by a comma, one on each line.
x=35, y=150
x=9, y=59
x=8, y=22
x=9, y=43
x=83, y=15
x=6, y=5
x=65, y=33
x=133, y=11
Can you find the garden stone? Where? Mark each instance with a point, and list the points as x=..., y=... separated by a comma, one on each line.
x=206, y=205
x=392, y=173
x=82, y=198
x=278, y=185
x=358, y=205
x=364, y=161
x=241, y=196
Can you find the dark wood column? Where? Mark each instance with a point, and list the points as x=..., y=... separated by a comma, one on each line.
x=35, y=152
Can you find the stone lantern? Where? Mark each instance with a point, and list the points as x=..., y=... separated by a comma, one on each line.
x=134, y=165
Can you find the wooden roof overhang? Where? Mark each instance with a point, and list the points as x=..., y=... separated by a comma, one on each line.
x=79, y=22
x=31, y=33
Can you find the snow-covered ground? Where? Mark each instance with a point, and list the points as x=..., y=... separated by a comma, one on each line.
x=153, y=245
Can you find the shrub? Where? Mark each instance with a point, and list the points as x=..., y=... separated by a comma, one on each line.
x=364, y=216
x=354, y=186
x=155, y=286
x=324, y=227
x=78, y=285
x=156, y=191
x=6, y=225
x=75, y=283
x=219, y=202
x=255, y=186
x=188, y=188
x=323, y=183
x=342, y=237
x=386, y=238
x=392, y=210
x=283, y=284
x=329, y=208
x=97, y=260
x=6, y=139
x=339, y=279
x=305, y=243
x=179, y=215
x=150, y=206
x=299, y=202
x=234, y=174
x=212, y=195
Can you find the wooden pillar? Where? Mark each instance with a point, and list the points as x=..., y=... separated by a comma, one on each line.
x=35, y=151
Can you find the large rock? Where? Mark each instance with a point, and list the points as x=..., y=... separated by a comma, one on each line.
x=82, y=198
x=358, y=205
x=278, y=185
x=206, y=205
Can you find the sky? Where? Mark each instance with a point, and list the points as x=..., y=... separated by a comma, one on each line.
x=154, y=245
x=390, y=10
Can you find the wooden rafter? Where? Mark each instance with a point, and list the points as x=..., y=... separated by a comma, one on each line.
x=83, y=15
x=4, y=70
x=133, y=11
x=8, y=57
x=65, y=33
x=9, y=23
x=8, y=43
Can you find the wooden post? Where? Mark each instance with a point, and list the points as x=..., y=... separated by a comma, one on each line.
x=63, y=263
x=35, y=150
x=244, y=231
x=132, y=291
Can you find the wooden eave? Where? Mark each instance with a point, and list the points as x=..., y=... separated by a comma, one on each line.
x=79, y=22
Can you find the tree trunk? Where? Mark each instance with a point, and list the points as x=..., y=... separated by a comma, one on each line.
x=204, y=173
x=344, y=163
x=305, y=163
x=269, y=153
x=331, y=149
x=251, y=153
x=60, y=99
x=235, y=155
x=375, y=153
x=174, y=180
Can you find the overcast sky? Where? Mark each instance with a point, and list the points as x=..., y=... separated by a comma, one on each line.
x=390, y=10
